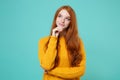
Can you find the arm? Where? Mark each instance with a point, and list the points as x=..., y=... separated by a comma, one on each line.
x=48, y=54
x=71, y=72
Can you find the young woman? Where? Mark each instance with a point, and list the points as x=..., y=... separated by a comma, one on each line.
x=62, y=54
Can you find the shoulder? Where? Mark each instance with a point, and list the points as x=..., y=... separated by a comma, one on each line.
x=82, y=46
x=44, y=39
x=81, y=42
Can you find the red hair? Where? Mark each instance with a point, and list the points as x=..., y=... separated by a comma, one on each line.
x=71, y=37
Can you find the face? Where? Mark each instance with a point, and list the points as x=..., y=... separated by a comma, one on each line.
x=63, y=19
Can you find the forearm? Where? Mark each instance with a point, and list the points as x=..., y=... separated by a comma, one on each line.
x=72, y=72
x=48, y=54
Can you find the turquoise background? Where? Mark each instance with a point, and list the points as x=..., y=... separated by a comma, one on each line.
x=24, y=22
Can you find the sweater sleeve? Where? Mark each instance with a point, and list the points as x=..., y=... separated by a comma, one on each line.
x=47, y=54
x=71, y=72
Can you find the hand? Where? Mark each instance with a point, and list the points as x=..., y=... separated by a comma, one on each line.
x=46, y=71
x=56, y=31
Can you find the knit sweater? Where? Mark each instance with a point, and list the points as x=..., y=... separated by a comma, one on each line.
x=47, y=57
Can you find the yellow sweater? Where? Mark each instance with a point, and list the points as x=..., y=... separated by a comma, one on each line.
x=47, y=59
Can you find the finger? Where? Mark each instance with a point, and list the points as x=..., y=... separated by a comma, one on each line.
x=55, y=29
x=60, y=28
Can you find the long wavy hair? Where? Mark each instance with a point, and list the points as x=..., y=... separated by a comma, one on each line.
x=71, y=37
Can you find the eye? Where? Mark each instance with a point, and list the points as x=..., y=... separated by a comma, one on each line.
x=68, y=19
x=59, y=15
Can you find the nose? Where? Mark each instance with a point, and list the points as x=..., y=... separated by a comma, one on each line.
x=62, y=20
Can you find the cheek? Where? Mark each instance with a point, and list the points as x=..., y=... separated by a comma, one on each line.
x=67, y=23
x=57, y=21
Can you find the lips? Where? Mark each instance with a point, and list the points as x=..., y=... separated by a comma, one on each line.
x=61, y=24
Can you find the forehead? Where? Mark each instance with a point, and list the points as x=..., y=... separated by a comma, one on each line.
x=64, y=12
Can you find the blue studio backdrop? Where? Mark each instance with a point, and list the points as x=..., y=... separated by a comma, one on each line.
x=24, y=22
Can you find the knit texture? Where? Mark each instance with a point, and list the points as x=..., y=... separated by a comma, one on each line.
x=47, y=57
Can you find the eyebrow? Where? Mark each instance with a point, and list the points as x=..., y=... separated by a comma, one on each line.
x=61, y=14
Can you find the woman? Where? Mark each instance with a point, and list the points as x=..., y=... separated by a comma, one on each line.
x=62, y=54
